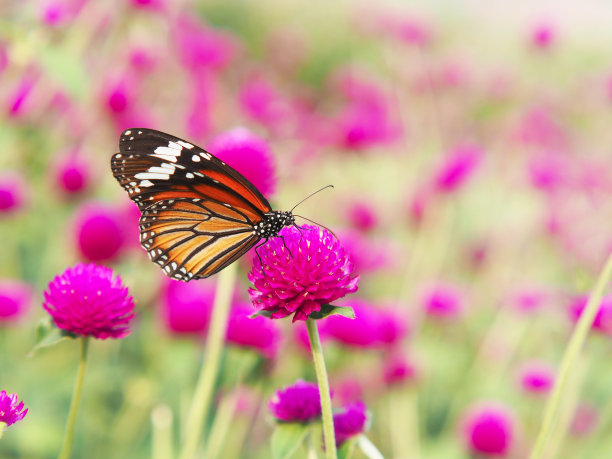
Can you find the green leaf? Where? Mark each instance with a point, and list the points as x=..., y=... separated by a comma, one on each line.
x=47, y=334
x=330, y=310
x=347, y=448
x=261, y=313
x=287, y=438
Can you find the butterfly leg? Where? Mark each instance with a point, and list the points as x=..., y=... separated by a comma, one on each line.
x=259, y=256
x=285, y=245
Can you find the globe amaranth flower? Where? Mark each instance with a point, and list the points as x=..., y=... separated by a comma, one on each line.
x=296, y=277
x=72, y=174
x=11, y=410
x=186, y=306
x=15, y=298
x=258, y=333
x=297, y=403
x=87, y=300
x=99, y=233
x=249, y=154
x=351, y=421
x=12, y=193
x=489, y=430
x=603, y=319
x=537, y=377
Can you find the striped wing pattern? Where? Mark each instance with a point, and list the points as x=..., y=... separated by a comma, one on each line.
x=198, y=214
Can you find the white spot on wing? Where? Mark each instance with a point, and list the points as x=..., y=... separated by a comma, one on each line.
x=185, y=144
x=189, y=175
x=195, y=158
x=146, y=183
x=151, y=176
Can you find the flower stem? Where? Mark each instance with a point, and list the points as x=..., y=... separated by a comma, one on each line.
x=161, y=432
x=2, y=427
x=568, y=362
x=210, y=366
x=319, y=363
x=66, y=450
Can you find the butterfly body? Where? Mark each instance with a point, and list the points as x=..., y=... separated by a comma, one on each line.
x=198, y=214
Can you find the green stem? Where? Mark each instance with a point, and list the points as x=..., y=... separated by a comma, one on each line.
x=2, y=428
x=326, y=409
x=66, y=450
x=210, y=366
x=161, y=432
x=568, y=362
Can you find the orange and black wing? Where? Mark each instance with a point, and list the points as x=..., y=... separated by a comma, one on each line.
x=198, y=213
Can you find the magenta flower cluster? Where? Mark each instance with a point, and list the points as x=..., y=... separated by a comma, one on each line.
x=310, y=269
x=11, y=409
x=297, y=403
x=87, y=300
x=351, y=421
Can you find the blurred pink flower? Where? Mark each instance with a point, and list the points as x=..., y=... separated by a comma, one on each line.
x=528, y=299
x=543, y=36
x=15, y=300
x=457, y=167
x=12, y=193
x=585, y=421
x=11, y=410
x=349, y=389
x=398, y=369
x=186, y=306
x=4, y=61
x=119, y=95
x=57, y=13
x=419, y=203
x=537, y=377
x=130, y=219
x=153, y=5
x=249, y=154
x=372, y=326
x=72, y=174
x=362, y=215
x=538, y=128
x=297, y=403
x=443, y=301
x=99, y=232
x=548, y=171
x=201, y=47
x=603, y=319
x=366, y=253
x=262, y=102
x=20, y=99
x=350, y=421
x=258, y=333
x=204, y=89
x=143, y=59
x=488, y=429
x=410, y=30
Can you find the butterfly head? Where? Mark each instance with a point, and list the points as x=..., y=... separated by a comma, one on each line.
x=273, y=222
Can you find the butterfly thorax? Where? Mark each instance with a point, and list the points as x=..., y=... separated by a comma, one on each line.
x=273, y=222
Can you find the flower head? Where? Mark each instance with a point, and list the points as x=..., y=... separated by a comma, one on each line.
x=248, y=154
x=87, y=300
x=15, y=297
x=257, y=333
x=313, y=269
x=537, y=377
x=398, y=369
x=297, y=403
x=443, y=301
x=72, y=174
x=362, y=215
x=350, y=421
x=543, y=36
x=10, y=410
x=489, y=429
x=457, y=168
x=603, y=318
x=186, y=306
x=11, y=193
x=99, y=233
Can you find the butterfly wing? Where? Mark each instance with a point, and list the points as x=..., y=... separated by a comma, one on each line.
x=198, y=213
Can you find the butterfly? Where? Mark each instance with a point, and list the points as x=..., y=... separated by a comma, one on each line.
x=198, y=214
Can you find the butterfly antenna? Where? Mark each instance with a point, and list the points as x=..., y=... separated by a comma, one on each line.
x=316, y=223
x=310, y=196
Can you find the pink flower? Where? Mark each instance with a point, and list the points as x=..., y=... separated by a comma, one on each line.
x=362, y=215
x=543, y=36
x=458, y=166
x=365, y=253
x=258, y=333
x=10, y=410
x=372, y=327
x=263, y=103
x=443, y=301
x=312, y=270
x=297, y=403
x=72, y=174
x=99, y=233
x=488, y=430
x=538, y=128
x=548, y=171
x=248, y=154
x=88, y=300
x=528, y=299
x=603, y=319
x=398, y=369
x=186, y=306
x=586, y=419
x=351, y=421
x=15, y=299
x=20, y=100
x=142, y=59
x=411, y=30
x=201, y=47
x=12, y=193
x=537, y=377
x=154, y=5
x=119, y=96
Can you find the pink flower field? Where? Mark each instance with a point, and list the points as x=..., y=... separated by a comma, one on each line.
x=448, y=297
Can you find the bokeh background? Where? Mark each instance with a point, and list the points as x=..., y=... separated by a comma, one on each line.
x=469, y=145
